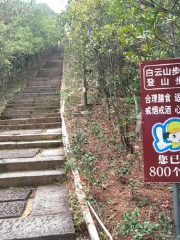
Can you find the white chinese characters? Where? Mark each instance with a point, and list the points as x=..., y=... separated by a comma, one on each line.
x=165, y=76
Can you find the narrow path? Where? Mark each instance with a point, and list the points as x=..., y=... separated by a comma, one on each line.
x=31, y=155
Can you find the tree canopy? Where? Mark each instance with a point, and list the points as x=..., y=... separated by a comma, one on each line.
x=110, y=37
x=26, y=30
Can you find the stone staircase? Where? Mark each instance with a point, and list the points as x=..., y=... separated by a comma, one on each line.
x=31, y=154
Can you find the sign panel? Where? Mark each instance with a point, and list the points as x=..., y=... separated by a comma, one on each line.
x=160, y=94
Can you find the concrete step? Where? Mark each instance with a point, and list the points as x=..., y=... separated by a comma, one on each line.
x=31, y=178
x=40, y=89
x=34, y=144
x=39, y=99
x=35, y=105
x=53, y=64
x=15, y=116
x=46, y=84
x=31, y=107
x=37, y=91
x=12, y=111
x=57, y=58
x=50, y=219
x=46, y=79
x=31, y=126
x=34, y=101
x=35, y=94
x=30, y=137
x=30, y=121
x=43, y=87
x=49, y=73
x=31, y=164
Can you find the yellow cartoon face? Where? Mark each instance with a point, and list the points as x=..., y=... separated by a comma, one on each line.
x=167, y=135
x=172, y=132
x=174, y=137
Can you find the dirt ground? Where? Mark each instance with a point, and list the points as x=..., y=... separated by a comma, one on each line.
x=115, y=185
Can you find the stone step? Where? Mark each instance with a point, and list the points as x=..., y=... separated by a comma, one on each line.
x=30, y=121
x=25, y=115
x=56, y=58
x=30, y=97
x=41, y=89
x=51, y=218
x=35, y=94
x=31, y=126
x=36, y=103
x=49, y=73
x=36, y=99
x=31, y=178
x=12, y=111
x=53, y=65
x=31, y=164
x=45, y=82
x=30, y=137
x=47, y=79
x=34, y=144
x=31, y=107
x=45, y=86
x=15, y=116
x=37, y=91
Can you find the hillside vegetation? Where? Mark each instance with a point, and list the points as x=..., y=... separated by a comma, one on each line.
x=108, y=39
x=105, y=42
x=27, y=32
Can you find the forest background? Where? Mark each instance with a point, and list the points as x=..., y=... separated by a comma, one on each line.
x=104, y=42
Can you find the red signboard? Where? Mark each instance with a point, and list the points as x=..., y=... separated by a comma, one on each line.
x=160, y=85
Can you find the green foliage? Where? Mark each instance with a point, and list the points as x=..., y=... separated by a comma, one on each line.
x=78, y=137
x=107, y=40
x=78, y=219
x=96, y=128
x=70, y=164
x=125, y=169
x=27, y=30
x=81, y=159
x=88, y=166
x=133, y=227
x=166, y=224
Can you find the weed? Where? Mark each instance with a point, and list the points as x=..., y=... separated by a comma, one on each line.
x=113, y=140
x=19, y=90
x=79, y=223
x=3, y=109
x=165, y=226
x=132, y=187
x=125, y=169
x=70, y=165
x=143, y=202
x=132, y=226
x=93, y=98
x=101, y=179
x=88, y=166
x=96, y=128
x=79, y=137
x=110, y=202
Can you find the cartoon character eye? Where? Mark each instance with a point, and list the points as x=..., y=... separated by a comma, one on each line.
x=174, y=136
